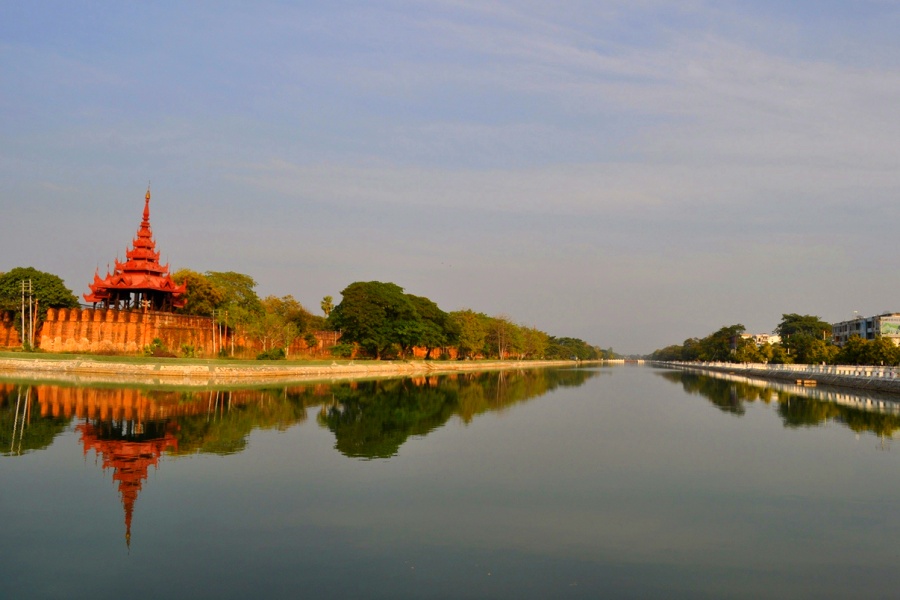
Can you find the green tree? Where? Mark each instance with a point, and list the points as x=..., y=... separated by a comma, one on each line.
x=48, y=291
x=240, y=299
x=436, y=328
x=746, y=351
x=810, y=325
x=471, y=332
x=534, y=343
x=238, y=291
x=567, y=348
x=717, y=346
x=504, y=338
x=327, y=305
x=376, y=316
x=806, y=338
x=202, y=296
x=858, y=351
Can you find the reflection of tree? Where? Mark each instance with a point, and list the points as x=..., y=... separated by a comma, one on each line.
x=231, y=416
x=727, y=396
x=372, y=419
x=22, y=428
x=805, y=412
x=796, y=411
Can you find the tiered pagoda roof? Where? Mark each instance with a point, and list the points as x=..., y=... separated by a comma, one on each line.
x=141, y=281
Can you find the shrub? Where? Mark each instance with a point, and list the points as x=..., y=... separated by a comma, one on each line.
x=271, y=354
x=342, y=350
x=157, y=349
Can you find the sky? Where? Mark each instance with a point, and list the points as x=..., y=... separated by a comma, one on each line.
x=632, y=173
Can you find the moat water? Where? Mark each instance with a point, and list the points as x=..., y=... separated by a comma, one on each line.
x=614, y=482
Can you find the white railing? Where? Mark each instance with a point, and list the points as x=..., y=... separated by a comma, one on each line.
x=861, y=371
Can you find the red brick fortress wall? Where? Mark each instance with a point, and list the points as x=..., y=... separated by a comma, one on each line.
x=9, y=335
x=115, y=331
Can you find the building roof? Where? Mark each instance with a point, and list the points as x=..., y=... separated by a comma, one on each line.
x=141, y=271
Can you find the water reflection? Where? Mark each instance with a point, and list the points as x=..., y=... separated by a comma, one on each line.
x=798, y=406
x=372, y=419
x=129, y=449
x=128, y=430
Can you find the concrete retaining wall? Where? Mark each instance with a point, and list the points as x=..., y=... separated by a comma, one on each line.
x=174, y=372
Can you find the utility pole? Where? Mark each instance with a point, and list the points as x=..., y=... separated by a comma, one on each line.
x=22, y=313
x=34, y=321
x=214, y=331
x=27, y=332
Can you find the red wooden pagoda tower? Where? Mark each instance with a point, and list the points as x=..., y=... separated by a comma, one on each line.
x=141, y=281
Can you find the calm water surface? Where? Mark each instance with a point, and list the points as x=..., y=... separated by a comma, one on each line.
x=582, y=483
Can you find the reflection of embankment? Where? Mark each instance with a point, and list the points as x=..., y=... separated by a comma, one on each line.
x=798, y=406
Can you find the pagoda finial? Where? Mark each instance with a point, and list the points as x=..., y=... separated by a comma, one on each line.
x=147, y=205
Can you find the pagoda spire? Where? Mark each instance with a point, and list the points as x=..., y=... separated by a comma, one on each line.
x=141, y=281
x=146, y=220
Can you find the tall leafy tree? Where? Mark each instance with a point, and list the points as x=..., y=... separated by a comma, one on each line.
x=793, y=324
x=203, y=296
x=568, y=348
x=238, y=289
x=471, y=331
x=717, y=346
x=436, y=328
x=48, y=289
x=806, y=338
x=327, y=305
x=240, y=299
x=376, y=316
x=504, y=338
x=534, y=343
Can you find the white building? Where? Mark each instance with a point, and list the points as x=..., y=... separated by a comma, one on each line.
x=868, y=328
x=760, y=339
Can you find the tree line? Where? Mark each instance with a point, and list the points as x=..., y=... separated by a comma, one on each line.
x=379, y=319
x=387, y=322
x=805, y=339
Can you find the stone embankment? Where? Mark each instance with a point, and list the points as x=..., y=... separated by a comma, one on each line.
x=883, y=379
x=85, y=370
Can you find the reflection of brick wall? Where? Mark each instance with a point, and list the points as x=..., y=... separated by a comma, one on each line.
x=107, y=404
x=119, y=331
x=9, y=335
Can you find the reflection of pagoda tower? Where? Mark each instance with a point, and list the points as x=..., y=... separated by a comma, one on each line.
x=130, y=449
x=141, y=281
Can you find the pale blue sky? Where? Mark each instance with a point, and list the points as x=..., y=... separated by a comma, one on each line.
x=629, y=172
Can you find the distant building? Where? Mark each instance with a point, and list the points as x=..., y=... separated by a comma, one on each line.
x=760, y=339
x=868, y=328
